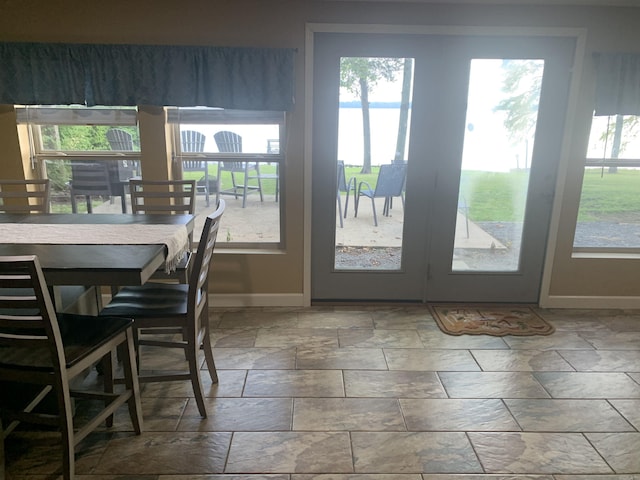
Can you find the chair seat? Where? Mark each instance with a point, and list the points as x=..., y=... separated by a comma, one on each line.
x=81, y=335
x=149, y=300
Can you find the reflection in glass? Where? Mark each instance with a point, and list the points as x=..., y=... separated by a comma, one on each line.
x=502, y=112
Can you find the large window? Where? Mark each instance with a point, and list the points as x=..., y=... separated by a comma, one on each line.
x=235, y=155
x=609, y=214
x=231, y=154
x=66, y=142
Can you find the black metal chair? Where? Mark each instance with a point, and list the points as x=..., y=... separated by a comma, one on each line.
x=390, y=183
x=347, y=187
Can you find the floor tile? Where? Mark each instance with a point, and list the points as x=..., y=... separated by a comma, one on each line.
x=165, y=453
x=292, y=452
x=603, y=360
x=422, y=359
x=294, y=383
x=436, y=339
x=457, y=415
x=492, y=385
x=540, y=415
x=335, y=319
x=630, y=409
x=340, y=358
x=620, y=450
x=392, y=384
x=374, y=393
x=537, y=453
x=589, y=385
x=401, y=318
x=288, y=337
x=520, y=360
x=255, y=358
x=353, y=414
x=413, y=452
x=363, y=338
x=239, y=415
x=555, y=341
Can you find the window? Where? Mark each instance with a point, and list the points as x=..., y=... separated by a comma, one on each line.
x=67, y=139
x=609, y=213
x=236, y=155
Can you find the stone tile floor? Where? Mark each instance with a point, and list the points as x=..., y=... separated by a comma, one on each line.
x=378, y=393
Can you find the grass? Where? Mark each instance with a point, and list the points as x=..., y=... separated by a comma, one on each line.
x=500, y=196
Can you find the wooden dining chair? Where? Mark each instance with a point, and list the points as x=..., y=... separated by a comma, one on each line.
x=177, y=309
x=168, y=197
x=49, y=353
x=24, y=196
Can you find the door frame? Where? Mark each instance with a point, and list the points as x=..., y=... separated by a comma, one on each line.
x=311, y=29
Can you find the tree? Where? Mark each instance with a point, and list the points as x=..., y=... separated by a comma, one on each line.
x=359, y=75
x=522, y=83
x=407, y=75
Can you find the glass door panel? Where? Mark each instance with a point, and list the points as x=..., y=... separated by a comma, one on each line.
x=502, y=112
x=373, y=135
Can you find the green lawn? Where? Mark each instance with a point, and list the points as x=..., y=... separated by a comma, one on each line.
x=490, y=196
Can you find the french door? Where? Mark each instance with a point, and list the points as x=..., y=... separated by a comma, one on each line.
x=474, y=126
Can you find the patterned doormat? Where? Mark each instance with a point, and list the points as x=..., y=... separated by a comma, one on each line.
x=496, y=320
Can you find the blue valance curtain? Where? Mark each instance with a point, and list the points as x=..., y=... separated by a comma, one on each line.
x=125, y=75
x=618, y=84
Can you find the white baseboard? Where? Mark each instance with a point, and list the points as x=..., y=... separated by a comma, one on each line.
x=257, y=300
x=590, y=302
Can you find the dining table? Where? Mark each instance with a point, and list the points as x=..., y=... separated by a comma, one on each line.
x=95, y=249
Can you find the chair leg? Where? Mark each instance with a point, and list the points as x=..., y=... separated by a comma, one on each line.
x=194, y=373
x=66, y=430
x=108, y=362
x=259, y=181
x=129, y=365
x=208, y=354
x=218, y=182
x=340, y=209
x=373, y=206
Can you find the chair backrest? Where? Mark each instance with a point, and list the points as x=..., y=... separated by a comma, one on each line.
x=391, y=179
x=199, y=279
x=231, y=142
x=228, y=142
x=28, y=320
x=192, y=141
x=24, y=196
x=90, y=178
x=342, y=179
x=119, y=139
x=163, y=197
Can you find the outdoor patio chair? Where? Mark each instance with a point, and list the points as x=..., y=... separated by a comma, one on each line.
x=347, y=187
x=193, y=142
x=230, y=142
x=89, y=179
x=121, y=140
x=24, y=196
x=390, y=183
x=176, y=309
x=47, y=355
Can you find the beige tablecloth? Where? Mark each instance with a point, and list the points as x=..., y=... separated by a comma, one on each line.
x=175, y=237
